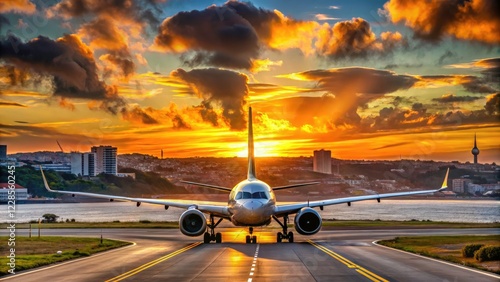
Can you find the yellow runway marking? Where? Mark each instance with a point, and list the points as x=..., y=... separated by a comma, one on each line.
x=151, y=263
x=366, y=273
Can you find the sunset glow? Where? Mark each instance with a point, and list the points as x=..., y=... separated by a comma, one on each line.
x=367, y=80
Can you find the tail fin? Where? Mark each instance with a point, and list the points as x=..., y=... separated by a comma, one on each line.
x=251, y=159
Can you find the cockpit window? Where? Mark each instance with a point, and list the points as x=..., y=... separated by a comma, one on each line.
x=259, y=195
x=248, y=195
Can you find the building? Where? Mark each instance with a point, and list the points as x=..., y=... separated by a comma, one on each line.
x=475, y=150
x=3, y=152
x=83, y=164
x=21, y=192
x=460, y=185
x=105, y=159
x=56, y=167
x=322, y=161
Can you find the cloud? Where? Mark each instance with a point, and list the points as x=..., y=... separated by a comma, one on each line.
x=17, y=6
x=67, y=61
x=138, y=12
x=451, y=98
x=355, y=39
x=136, y=114
x=492, y=105
x=11, y=104
x=474, y=20
x=324, y=17
x=224, y=88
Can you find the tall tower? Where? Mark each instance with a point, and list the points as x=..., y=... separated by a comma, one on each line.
x=475, y=150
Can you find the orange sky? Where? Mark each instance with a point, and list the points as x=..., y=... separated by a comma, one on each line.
x=403, y=82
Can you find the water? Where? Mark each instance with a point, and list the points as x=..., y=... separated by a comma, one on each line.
x=435, y=210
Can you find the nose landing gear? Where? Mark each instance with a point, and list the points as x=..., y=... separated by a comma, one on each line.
x=285, y=235
x=251, y=239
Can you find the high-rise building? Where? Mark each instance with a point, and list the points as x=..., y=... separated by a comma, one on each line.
x=475, y=150
x=83, y=164
x=105, y=159
x=322, y=161
x=3, y=152
x=460, y=185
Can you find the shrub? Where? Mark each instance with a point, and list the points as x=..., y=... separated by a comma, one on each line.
x=488, y=253
x=144, y=221
x=469, y=250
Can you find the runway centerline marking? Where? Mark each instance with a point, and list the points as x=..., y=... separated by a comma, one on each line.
x=254, y=263
x=152, y=263
x=366, y=273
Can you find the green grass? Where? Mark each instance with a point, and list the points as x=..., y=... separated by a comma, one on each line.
x=446, y=248
x=35, y=252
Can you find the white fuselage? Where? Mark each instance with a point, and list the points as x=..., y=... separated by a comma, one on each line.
x=251, y=203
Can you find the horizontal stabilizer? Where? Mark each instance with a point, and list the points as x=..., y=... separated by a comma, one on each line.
x=225, y=189
x=294, y=186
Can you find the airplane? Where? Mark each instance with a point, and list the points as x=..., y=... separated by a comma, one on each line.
x=251, y=203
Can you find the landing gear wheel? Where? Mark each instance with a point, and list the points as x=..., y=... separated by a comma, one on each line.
x=212, y=236
x=206, y=238
x=248, y=239
x=254, y=239
x=285, y=235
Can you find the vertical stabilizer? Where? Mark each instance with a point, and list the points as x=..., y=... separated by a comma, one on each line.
x=251, y=159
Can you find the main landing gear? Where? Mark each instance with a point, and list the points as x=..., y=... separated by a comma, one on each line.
x=212, y=236
x=251, y=239
x=285, y=235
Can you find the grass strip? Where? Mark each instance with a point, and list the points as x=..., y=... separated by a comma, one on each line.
x=447, y=248
x=35, y=252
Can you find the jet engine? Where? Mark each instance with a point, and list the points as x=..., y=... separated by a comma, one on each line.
x=307, y=221
x=192, y=223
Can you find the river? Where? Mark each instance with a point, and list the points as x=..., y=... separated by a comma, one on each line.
x=434, y=210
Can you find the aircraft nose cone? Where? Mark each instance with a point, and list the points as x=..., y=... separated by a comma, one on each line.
x=252, y=205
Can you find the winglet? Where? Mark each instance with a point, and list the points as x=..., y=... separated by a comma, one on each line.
x=251, y=158
x=445, y=181
x=45, y=181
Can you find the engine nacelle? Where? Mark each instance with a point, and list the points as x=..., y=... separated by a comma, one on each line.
x=192, y=223
x=307, y=221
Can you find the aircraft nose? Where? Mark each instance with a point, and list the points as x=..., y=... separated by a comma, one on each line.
x=252, y=205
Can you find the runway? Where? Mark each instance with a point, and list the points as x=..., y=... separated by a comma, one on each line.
x=330, y=255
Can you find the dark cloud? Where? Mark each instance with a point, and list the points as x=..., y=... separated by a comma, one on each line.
x=474, y=20
x=225, y=88
x=492, y=105
x=3, y=21
x=139, y=115
x=67, y=61
x=396, y=66
x=217, y=35
x=104, y=34
x=451, y=98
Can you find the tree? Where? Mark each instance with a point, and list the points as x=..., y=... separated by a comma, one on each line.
x=50, y=217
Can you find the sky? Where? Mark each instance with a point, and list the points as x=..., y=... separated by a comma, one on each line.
x=373, y=80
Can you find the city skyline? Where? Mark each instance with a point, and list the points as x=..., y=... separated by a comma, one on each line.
x=372, y=80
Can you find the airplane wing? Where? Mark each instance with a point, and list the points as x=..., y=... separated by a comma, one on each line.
x=217, y=209
x=295, y=207
x=294, y=186
x=220, y=188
